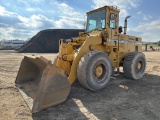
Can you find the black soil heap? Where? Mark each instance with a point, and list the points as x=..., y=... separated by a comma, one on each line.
x=47, y=41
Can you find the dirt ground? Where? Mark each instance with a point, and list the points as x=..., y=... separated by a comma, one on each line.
x=122, y=99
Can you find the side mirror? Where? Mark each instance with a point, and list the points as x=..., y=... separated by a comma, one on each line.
x=120, y=29
x=112, y=16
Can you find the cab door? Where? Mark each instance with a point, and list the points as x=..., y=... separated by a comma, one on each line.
x=113, y=24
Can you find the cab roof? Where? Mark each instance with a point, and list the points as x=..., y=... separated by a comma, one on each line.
x=104, y=7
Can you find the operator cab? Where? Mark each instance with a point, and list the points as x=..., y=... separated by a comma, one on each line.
x=96, y=20
x=101, y=18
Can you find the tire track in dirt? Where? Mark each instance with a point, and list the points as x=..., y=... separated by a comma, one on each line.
x=18, y=109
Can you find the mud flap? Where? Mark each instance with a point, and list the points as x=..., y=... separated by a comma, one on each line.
x=41, y=83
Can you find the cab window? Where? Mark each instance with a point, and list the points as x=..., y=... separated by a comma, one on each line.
x=96, y=20
x=112, y=21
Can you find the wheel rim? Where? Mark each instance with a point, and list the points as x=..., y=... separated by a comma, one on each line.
x=139, y=66
x=99, y=72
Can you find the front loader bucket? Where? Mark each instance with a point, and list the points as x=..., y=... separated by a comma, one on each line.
x=41, y=83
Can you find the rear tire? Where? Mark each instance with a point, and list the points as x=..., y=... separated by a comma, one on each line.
x=94, y=70
x=134, y=65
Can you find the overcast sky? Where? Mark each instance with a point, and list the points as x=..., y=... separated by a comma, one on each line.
x=22, y=19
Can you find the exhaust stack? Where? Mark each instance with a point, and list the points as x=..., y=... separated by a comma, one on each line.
x=125, y=24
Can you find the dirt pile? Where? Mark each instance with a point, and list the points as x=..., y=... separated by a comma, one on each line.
x=46, y=41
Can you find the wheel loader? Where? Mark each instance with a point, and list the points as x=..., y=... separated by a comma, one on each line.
x=89, y=58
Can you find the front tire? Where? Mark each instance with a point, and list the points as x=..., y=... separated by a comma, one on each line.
x=94, y=70
x=134, y=65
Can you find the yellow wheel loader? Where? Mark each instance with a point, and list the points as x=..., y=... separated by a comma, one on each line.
x=89, y=58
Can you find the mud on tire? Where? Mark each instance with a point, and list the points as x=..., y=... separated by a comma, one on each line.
x=134, y=65
x=94, y=70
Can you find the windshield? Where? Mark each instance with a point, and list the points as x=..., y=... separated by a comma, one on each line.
x=96, y=20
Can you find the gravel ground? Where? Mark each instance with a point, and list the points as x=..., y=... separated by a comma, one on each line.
x=122, y=99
